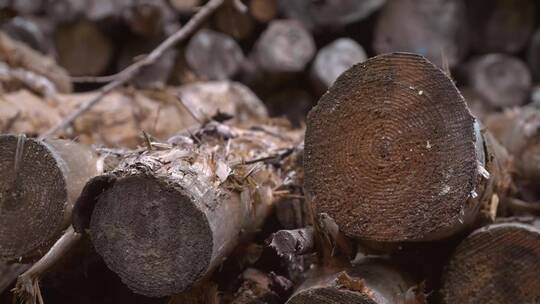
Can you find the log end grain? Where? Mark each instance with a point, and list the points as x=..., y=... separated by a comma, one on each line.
x=135, y=227
x=499, y=263
x=390, y=151
x=31, y=204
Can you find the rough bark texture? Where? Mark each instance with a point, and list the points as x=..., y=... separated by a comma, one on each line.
x=334, y=59
x=500, y=25
x=504, y=81
x=83, y=50
x=120, y=119
x=189, y=205
x=213, y=55
x=40, y=182
x=434, y=29
x=393, y=154
x=369, y=282
x=319, y=15
x=499, y=263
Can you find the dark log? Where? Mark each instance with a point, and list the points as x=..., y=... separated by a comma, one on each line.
x=369, y=282
x=229, y=20
x=27, y=7
x=334, y=59
x=504, y=81
x=29, y=32
x=152, y=76
x=499, y=263
x=500, y=25
x=257, y=287
x=284, y=47
x=149, y=18
x=188, y=205
x=388, y=163
x=294, y=104
x=533, y=55
x=19, y=55
x=263, y=10
x=320, y=15
x=434, y=29
x=214, y=56
x=83, y=49
x=40, y=182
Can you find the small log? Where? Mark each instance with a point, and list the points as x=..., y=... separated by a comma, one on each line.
x=500, y=25
x=185, y=6
x=518, y=130
x=499, y=263
x=149, y=18
x=284, y=47
x=214, y=56
x=28, y=31
x=229, y=20
x=293, y=242
x=65, y=11
x=263, y=10
x=504, y=81
x=434, y=29
x=333, y=14
x=388, y=163
x=334, y=59
x=83, y=49
x=369, y=282
x=188, y=205
x=19, y=55
x=39, y=184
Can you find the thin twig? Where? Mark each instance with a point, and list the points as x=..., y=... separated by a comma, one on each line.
x=27, y=286
x=95, y=79
x=133, y=69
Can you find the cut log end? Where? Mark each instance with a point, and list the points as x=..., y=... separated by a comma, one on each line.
x=390, y=151
x=135, y=227
x=496, y=264
x=32, y=201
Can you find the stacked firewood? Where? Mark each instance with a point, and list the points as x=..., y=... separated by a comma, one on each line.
x=162, y=151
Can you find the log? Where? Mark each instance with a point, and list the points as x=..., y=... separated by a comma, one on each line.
x=500, y=25
x=284, y=47
x=263, y=10
x=159, y=113
x=189, y=205
x=504, y=81
x=39, y=184
x=334, y=59
x=434, y=29
x=256, y=287
x=533, y=55
x=185, y=6
x=388, y=163
x=229, y=20
x=499, y=263
x=294, y=104
x=371, y=282
x=149, y=18
x=330, y=14
x=28, y=31
x=213, y=55
x=518, y=131
x=293, y=242
x=27, y=7
x=83, y=50
x=19, y=55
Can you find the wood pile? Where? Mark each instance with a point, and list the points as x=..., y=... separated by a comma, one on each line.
x=268, y=151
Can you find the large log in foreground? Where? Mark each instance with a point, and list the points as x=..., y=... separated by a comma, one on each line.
x=173, y=214
x=393, y=154
x=39, y=184
x=370, y=282
x=499, y=263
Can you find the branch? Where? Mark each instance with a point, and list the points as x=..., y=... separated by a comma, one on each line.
x=133, y=69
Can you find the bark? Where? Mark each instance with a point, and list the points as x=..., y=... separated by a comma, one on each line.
x=370, y=282
x=434, y=29
x=18, y=55
x=83, y=50
x=518, y=130
x=500, y=25
x=40, y=182
x=189, y=205
x=159, y=113
x=393, y=154
x=213, y=55
x=504, y=81
x=498, y=263
x=333, y=14
x=334, y=59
